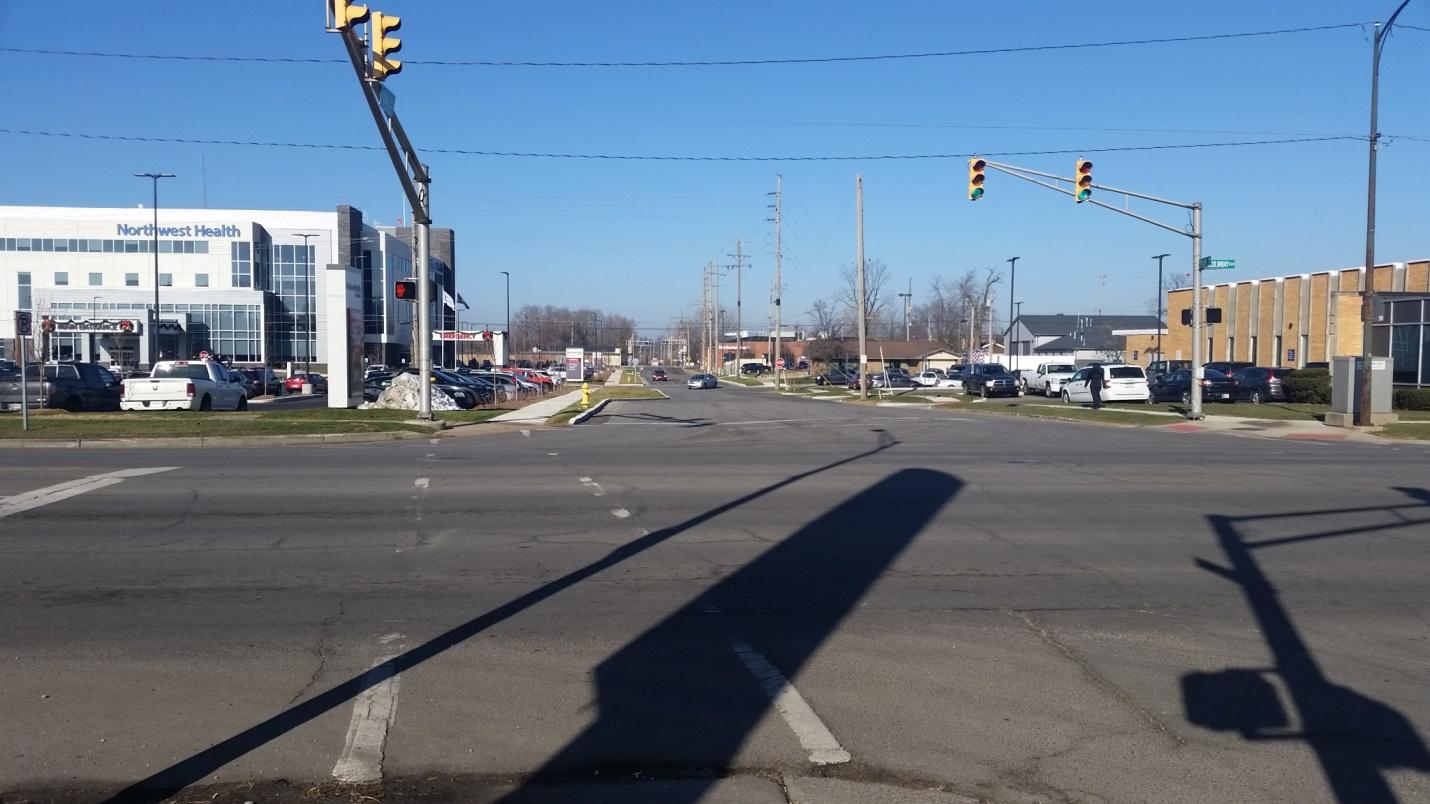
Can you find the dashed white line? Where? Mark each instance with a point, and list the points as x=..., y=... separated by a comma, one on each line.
x=422, y=483
x=373, y=712
x=620, y=513
x=811, y=732
x=71, y=488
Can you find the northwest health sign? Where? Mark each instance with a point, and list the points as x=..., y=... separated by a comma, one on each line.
x=190, y=230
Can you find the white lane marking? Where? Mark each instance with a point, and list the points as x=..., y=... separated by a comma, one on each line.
x=585, y=480
x=807, y=727
x=71, y=488
x=553, y=453
x=434, y=441
x=620, y=513
x=526, y=433
x=421, y=483
x=373, y=713
x=593, y=485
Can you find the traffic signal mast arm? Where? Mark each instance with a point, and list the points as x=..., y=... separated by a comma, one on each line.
x=1027, y=174
x=357, y=55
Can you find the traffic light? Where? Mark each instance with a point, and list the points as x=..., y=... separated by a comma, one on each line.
x=345, y=14
x=976, y=167
x=405, y=289
x=1083, y=177
x=384, y=46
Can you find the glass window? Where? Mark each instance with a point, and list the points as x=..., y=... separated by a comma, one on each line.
x=201, y=247
x=1425, y=354
x=62, y=278
x=62, y=245
x=130, y=246
x=201, y=280
x=1405, y=312
x=96, y=279
x=22, y=282
x=131, y=280
x=96, y=245
x=166, y=280
x=1403, y=342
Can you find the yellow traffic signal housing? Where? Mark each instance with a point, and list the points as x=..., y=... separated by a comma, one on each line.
x=383, y=46
x=1083, y=177
x=346, y=14
x=976, y=167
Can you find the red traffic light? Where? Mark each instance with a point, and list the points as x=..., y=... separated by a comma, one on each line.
x=405, y=289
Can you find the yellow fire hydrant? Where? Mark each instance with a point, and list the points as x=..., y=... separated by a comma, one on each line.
x=585, y=395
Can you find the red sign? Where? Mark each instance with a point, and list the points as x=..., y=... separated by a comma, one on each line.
x=203, y=354
x=780, y=363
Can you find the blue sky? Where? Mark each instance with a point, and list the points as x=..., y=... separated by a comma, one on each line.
x=632, y=236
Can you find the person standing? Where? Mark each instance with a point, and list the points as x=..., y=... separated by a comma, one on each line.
x=1096, y=380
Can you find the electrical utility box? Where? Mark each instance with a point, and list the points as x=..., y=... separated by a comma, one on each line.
x=1345, y=390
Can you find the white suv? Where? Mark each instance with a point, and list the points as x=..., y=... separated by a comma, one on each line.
x=1121, y=383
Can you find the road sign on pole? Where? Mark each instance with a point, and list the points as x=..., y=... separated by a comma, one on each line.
x=1209, y=264
x=24, y=323
x=780, y=363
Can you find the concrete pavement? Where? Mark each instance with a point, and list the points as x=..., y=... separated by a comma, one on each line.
x=722, y=592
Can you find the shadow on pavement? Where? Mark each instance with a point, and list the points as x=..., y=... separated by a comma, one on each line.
x=1354, y=737
x=655, y=418
x=681, y=695
x=197, y=767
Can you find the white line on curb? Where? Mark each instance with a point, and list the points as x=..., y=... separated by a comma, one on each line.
x=373, y=713
x=807, y=727
x=71, y=488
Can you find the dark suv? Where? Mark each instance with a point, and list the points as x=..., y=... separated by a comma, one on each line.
x=70, y=385
x=990, y=379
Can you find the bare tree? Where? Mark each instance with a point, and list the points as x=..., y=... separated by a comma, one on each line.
x=828, y=319
x=876, y=282
x=1169, y=283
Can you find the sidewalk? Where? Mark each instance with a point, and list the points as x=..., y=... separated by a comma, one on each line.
x=539, y=412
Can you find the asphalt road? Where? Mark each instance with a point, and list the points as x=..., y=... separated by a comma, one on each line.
x=724, y=596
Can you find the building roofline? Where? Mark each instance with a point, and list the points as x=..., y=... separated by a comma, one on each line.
x=1302, y=274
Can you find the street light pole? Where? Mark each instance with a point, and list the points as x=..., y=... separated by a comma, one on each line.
x=154, y=320
x=308, y=305
x=1160, y=325
x=1012, y=287
x=506, y=339
x=1367, y=294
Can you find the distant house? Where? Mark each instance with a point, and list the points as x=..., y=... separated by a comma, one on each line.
x=1036, y=338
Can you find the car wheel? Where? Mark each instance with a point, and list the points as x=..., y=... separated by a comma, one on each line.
x=1047, y=389
x=206, y=403
x=1255, y=396
x=1186, y=397
x=1067, y=400
x=74, y=404
x=243, y=403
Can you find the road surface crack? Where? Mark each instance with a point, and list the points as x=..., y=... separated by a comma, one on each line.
x=321, y=649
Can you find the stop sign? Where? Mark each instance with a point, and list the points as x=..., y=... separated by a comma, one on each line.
x=780, y=363
x=203, y=354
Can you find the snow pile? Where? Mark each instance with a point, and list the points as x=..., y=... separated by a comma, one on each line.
x=405, y=392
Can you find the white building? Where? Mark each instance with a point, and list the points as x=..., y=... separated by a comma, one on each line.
x=240, y=284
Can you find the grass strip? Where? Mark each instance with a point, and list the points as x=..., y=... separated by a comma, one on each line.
x=566, y=414
x=1416, y=430
x=1066, y=413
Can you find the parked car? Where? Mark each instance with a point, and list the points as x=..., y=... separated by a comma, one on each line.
x=834, y=376
x=658, y=375
x=295, y=382
x=929, y=378
x=990, y=379
x=1177, y=387
x=891, y=379
x=1262, y=384
x=70, y=385
x=1122, y=383
x=185, y=385
x=702, y=381
x=1228, y=367
x=1157, y=368
x=754, y=368
x=265, y=380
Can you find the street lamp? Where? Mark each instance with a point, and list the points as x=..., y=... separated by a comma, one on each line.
x=1367, y=294
x=1160, y=327
x=154, y=320
x=308, y=306
x=1012, y=286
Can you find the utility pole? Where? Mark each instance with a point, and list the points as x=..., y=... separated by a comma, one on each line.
x=908, y=300
x=779, y=288
x=1160, y=325
x=1367, y=294
x=1012, y=286
x=739, y=294
x=859, y=285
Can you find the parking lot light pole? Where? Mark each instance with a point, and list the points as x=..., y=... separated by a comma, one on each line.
x=507, y=338
x=154, y=320
x=1160, y=325
x=309, y=304
x=1012, y=287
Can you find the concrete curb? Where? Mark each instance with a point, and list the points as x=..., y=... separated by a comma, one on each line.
x=216, y=441
x=589, y=412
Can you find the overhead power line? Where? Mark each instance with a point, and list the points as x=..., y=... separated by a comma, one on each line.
x=671, y=158
x=1166, y=40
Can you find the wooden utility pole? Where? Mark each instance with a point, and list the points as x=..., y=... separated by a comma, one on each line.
x=859, y=269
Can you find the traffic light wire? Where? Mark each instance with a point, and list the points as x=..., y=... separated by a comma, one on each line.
x=671, y=157
x=703, y=63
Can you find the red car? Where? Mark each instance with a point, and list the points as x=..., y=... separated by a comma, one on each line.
x=294, y=384
x=657, y=375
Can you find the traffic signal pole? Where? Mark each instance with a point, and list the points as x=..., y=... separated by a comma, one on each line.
x=1195, y=207
x=411, y=173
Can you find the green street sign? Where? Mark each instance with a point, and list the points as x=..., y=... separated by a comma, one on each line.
x=1209, y=264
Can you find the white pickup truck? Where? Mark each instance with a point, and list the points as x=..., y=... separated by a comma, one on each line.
x=1047, y=379
x=185, y=385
